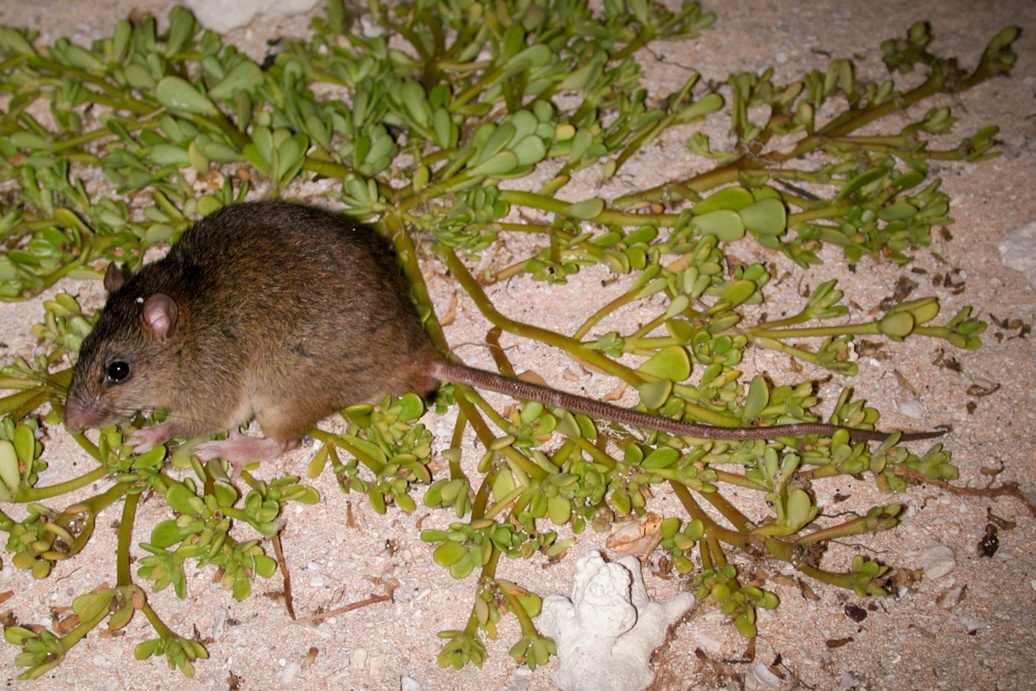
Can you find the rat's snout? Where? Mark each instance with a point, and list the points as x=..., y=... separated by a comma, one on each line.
x=82, y=412
x=76, y=417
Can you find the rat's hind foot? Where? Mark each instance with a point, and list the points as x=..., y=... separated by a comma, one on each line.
x=240, y=451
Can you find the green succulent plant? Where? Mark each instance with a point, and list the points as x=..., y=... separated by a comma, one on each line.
x=431, y=117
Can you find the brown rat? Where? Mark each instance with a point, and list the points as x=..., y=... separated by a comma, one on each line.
x=285, y=313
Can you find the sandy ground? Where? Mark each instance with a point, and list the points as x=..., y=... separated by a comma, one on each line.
x=971, y=629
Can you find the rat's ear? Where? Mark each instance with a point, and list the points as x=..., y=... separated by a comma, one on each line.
x=160, y=314
x=113, y=278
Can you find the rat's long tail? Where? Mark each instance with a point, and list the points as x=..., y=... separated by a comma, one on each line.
x=518, y=388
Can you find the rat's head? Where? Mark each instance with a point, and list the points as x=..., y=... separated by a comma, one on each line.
x=124, y=363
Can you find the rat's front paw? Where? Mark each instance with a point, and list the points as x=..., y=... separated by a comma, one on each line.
x=143, y=440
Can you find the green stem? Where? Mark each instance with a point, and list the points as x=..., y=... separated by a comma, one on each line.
x=570, y=345
x=372, y=464
x=856, y=526
x=716, y=555
x=865, y=329
x=598, y=455
x=819, y=472
x=30, y=494
x=600, y=314
x=124, y=576
x=113, y=95
x=69, y=640
x=728, y=511
x=456, y=472
x=157, y=624
x=694, y=510
x=488, y=574
x=503, y=502
x=605, y=217
x=781, y=323
x=646, y=35
x=515, y=605
x=739, y=480
x=839, y=580
x=822, y=211
x=329, y=169
x=102, y=501
x=790, y=351
x=486, y=438
x=482, y=500
x=839, y=127
x=639, y=338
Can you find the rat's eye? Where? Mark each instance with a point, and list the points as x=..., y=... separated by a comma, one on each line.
x=117, y=371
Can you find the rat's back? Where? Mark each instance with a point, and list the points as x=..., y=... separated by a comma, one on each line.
x=313, y=301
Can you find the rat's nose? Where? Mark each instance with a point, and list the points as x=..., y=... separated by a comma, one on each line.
x=81, y=414
x=75, y=416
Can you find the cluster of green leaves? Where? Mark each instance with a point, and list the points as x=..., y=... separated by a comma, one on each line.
x=208, y=515
x=419, y=124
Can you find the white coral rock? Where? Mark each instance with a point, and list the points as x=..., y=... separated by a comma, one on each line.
x=606, y=632
x=224, y=15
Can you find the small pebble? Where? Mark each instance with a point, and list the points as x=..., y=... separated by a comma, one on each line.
x=358, y=658
x=972, y=624
x=709, y=645
x=1018, y=250
x=767, y=679
x=848, y=681
x=951, y=598
x=323, y=630
x=912, y=408
x=289, y=672
x=409, y=684
x=937, y=562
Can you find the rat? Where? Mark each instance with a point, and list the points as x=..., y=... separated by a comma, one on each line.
x=284, y=313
